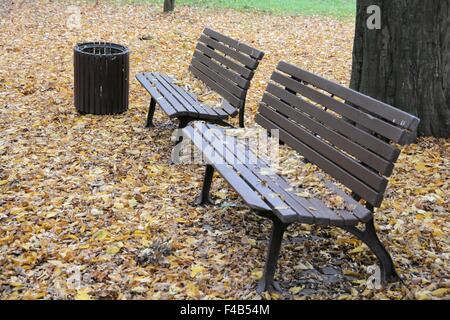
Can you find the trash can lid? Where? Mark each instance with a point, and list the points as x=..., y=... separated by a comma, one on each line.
x=101, y=48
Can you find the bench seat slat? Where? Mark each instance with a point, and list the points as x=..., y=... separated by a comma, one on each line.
x=322, y=216
x=270, y=185
x=187, y=100
x=168, y=109
x=220, y=113
x=248, y=194
x=173, y=97
x=360, y=212
x=175, y=101
x=228, y=108
x=278, y=205
x=273, y=191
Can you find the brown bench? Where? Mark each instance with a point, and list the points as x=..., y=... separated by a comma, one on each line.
x=351, y=137
x=225, y=65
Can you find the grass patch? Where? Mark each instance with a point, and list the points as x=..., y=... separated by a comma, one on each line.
x=333, y=8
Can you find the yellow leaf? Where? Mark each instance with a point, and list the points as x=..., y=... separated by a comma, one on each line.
x=3, y=182
x=113, y=249
x=296, y=290
x=350, y=273
x=16, y=210
x=357, y=250
x=144, y=189
x=257, y=274
x=440, y=292
x=420, y=166
x=440, y=193
x=438, y=232
x=51, y=214
x=101, y=235
x=118, y=205
x=132, y=203
x=196, y=269
x=192, y=290
x=423, y=295
x=83, y=294
x=220, y=195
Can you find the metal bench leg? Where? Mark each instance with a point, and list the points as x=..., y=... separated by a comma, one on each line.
x=267, y=282
x=204, y=197
x=370, y=238
x=242, y=116
x=151, y=112
x=183, y=122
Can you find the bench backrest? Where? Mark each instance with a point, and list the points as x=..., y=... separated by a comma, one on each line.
x=226, y=66
x=350, y=136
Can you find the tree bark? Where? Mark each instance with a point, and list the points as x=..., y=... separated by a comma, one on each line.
x=169, y=5
x=406, y=63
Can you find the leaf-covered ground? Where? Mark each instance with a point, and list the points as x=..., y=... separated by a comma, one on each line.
x=90, y=207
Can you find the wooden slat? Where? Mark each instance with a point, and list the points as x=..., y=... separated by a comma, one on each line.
x=228, y=108
x=243, y=71
x=213, y=85
x=190, y=104
x=369, y=177
x=322, y=216
x=367, y=103
x=285, y=213
x=220, y=80
x=168, y=109
x=373, y=197
x=361, y=213
x=182, y=108
x=236, y=55
x=377, y=125
x=204, y=112
x=218, y=68
x=364, y=155
x=234, y=43
x=363, y=138
x=301, y=207
x=237, y=183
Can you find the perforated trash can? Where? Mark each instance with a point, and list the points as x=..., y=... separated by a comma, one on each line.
x=101, y=78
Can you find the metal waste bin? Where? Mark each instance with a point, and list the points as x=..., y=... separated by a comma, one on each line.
x=101, y=78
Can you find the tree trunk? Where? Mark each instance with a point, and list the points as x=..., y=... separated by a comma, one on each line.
x=406, y=63
x=169, y=5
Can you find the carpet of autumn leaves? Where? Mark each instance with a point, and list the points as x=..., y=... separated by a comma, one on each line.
x=91, y=209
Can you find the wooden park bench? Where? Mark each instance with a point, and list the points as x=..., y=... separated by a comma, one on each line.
x=225, y=65
x=351, y=137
